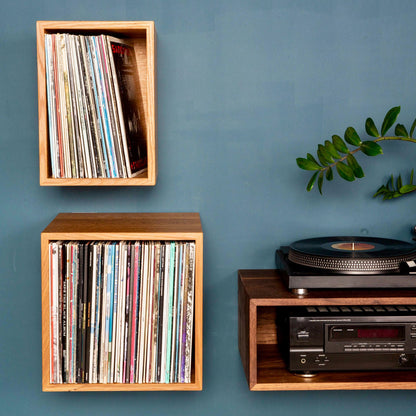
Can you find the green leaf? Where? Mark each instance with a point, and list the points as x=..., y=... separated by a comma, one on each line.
x=339, y=144
x=411, y=176
x=356, y=168
x=311, y=181
x=400, y=130
x=311, y=158
x=320, y=181
x=389, y=119
x=329, y=174
x=322, y=159
x=352, y=137
x=412, y=129
x=345, y=172
x=324, y=156
x=399, y=182
x=380, y=191
x=407, y=188
x=332, y=150
x=390, y=182
x=371, y=148
x=307, y=164
x=371, y=128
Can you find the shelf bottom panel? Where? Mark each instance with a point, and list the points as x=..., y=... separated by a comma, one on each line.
x=272, y=375
x=122, y=387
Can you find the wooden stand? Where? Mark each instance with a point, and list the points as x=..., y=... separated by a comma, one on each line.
x=117, y=227
x=143, y=35
x=261, y=294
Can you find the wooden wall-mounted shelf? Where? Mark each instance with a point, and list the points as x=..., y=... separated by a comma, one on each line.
x=143, y=35
x=260, y=295
x=127, y=227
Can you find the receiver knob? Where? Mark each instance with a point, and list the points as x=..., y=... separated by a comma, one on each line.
x=403, y=359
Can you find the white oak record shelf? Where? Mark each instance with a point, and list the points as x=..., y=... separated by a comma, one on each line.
x=118, y=227
x=261, y=293
x=143, y=35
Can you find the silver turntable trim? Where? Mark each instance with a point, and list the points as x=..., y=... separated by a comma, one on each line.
x=350, y=265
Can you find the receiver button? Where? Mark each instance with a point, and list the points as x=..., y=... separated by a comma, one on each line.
x=303, y=335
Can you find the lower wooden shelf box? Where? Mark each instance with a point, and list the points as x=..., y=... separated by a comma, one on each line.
x=262, y=296
x=122, y=302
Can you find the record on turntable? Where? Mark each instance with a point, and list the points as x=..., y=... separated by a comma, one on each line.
x=348, y=262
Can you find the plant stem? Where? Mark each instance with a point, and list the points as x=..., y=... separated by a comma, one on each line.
x=379, y=139
x=405, y=139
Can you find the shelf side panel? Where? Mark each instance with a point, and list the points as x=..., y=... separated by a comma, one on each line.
x=45, y=311
x=244, y=328
x=198, y=313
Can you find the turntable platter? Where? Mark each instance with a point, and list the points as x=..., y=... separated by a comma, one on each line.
x=352, y=255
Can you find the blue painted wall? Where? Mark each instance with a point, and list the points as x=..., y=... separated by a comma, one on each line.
x=244, y=87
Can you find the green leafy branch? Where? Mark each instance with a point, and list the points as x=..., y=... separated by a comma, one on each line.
x=395, y=188
x=336, y=155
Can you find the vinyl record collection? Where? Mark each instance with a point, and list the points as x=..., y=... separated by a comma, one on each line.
x=121, y=312
x=93, y=95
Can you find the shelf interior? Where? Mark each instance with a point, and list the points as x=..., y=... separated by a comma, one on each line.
x=271, y=369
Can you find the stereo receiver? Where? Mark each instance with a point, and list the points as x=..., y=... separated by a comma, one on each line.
x=348, y=338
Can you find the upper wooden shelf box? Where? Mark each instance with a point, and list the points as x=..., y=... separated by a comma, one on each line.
x=143, y=37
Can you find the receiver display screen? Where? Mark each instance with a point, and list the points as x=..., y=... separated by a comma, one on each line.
x=367, y=333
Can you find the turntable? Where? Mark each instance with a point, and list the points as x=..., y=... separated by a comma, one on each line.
x=347, y=263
